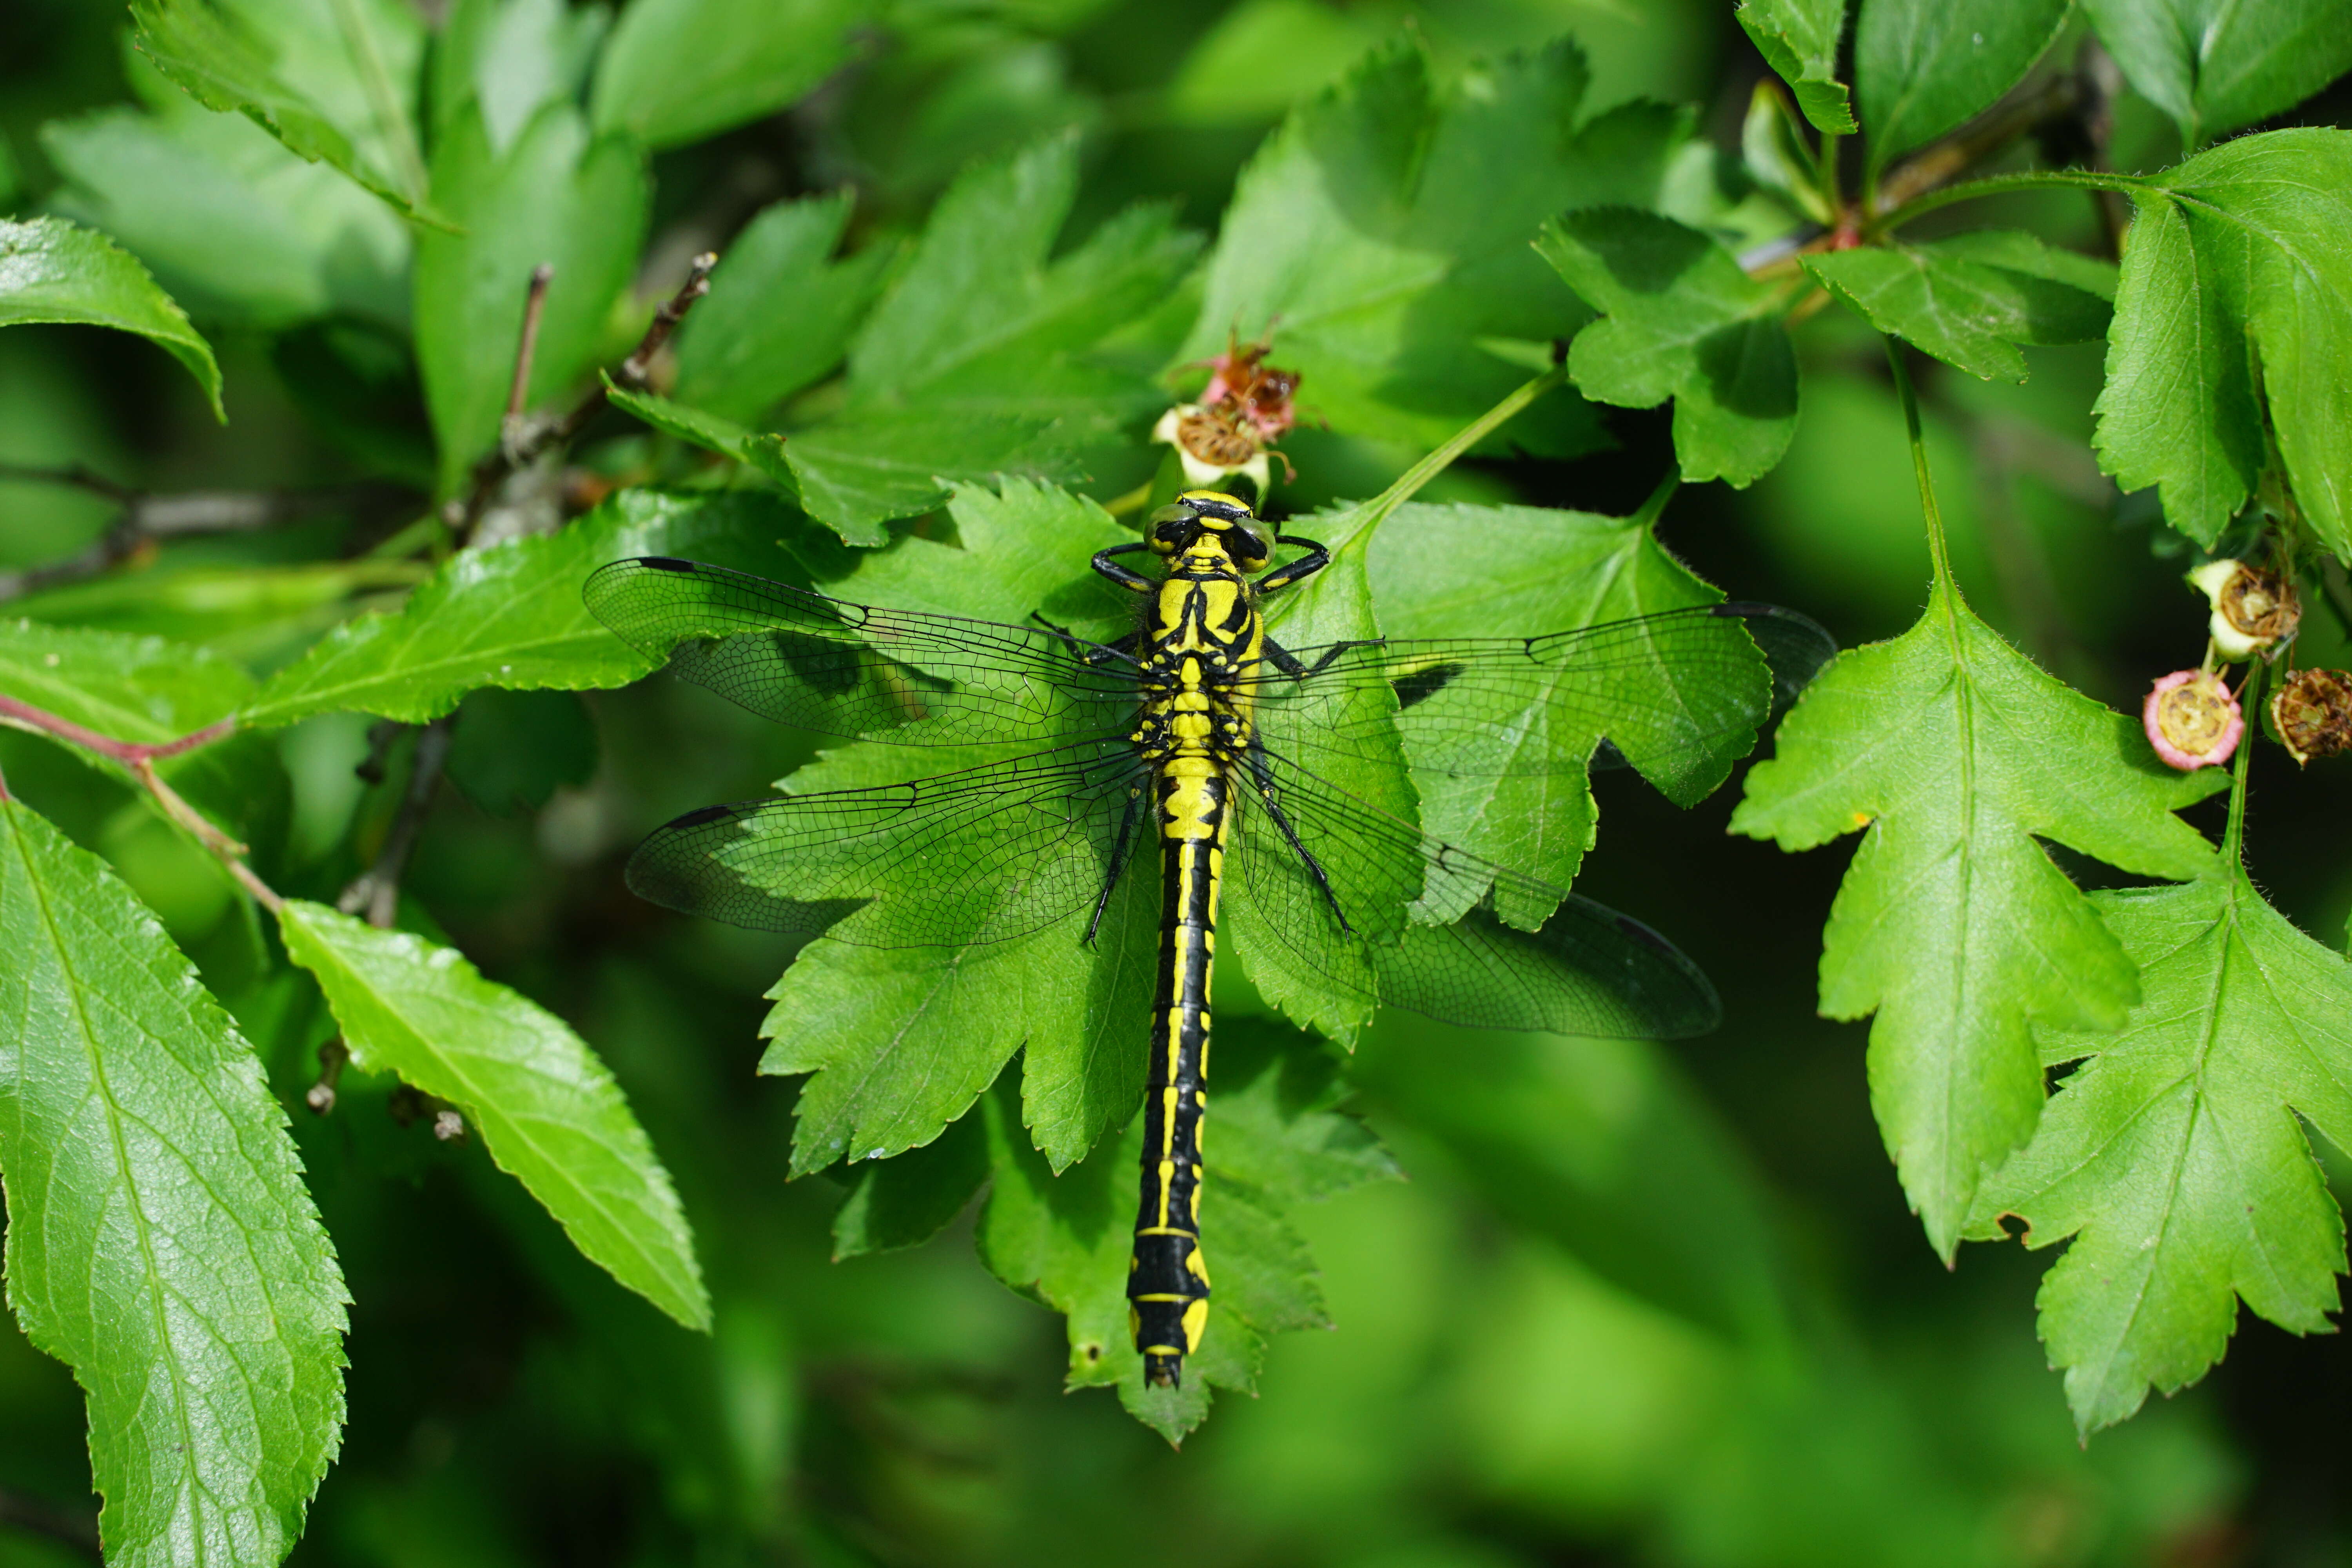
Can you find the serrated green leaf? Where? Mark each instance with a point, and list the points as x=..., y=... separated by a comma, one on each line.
x=239, y=229
x=1385, y=227
x=779, y=312
x=2173, y=1157
x=907, y=1201
x=2216, y=65
x=334, y=79
x=902, y=1040
x=1955, y=754
x=145, y=690
x=51, y=270
x=1065, y=1240
x=1680, y=320
x=1799, y=39
x=548, y=1111
x=678, y=70
x=554, y=196
x=160, y=1241
x=975, y=362
x=1473, y=571
x=1970, y=301
x=2236, y=299
x=764, y=454
x=508, y=615
x=1922, y=67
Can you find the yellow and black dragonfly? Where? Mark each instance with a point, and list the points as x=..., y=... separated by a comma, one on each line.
x=1199, y=732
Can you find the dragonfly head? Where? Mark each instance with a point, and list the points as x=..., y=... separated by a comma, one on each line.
x=1211, y=522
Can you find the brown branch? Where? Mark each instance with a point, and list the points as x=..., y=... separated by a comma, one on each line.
x=140, y=759
x=149, y=517
x=375, y=892
x=528, y=440
x=2056, y=98
x=534, y=306
x=333, y=1055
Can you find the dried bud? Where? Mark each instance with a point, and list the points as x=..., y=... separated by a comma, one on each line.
x=2313, y=713
x=1213, y=443
x=1253, y=392
x=2192, y=720
x=2252, y=610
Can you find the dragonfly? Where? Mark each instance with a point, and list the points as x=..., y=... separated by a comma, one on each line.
x=1200, y=734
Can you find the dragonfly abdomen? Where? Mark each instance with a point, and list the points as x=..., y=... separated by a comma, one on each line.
x=1168, y=1280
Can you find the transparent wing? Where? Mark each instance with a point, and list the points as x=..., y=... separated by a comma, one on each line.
x=978, y=856
x=1588, y=970
x=856, y=671
x=1680, y=694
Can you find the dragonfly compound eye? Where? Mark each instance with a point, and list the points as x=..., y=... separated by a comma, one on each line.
x=1172, y=528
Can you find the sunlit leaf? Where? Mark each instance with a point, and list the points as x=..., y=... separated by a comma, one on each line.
x=52, y=271
x=1799, y=38
x=1922, y=67
x=1971, y=300
x=1953, y=753
x=160, y=1241
x=2235, y=302
x=680, y=70
x=1680, y=320
x=2173, y=1156
x=547, y=1109
x=2216, y=65
x=334, y=79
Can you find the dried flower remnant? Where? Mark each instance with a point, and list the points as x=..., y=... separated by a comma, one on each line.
x=2313, y=713
x=2192, y=720
x=1253, y=391
x=1213, y=443
x=2252, y=610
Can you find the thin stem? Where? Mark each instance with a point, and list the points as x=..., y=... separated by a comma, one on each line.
x=1376, y=510
x=1937, y=555
x=534, y=306
x=1656, y=506
x=1995, y=185
x=230, y=853
x=40, y=719
x=375, y=892
x=2234, y=841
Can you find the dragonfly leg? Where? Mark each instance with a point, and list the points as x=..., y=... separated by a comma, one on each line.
x=1086, y=652
x=1281, y=820
x=1126, y=577
x=1121, y=852
x=1299, y=570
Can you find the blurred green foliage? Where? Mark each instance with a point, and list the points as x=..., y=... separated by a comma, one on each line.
x=1636, y=1303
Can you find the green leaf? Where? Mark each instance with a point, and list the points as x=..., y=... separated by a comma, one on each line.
x=902, y=1040
x=2215, y=65
x=237, y=228
x=1681, y=321
x=678, y=70
x=764, y=454
x=1384, y=230
x=160, y=1241
x=1473, y=571
x=1956, y=753
x=1922, y=67
x=548, y=1111
x=1799, y=38
x=509, y=58
x=2236, y=299
x=142, y=689
x=514, y=748
x=1971, y=300
x=1065, y=1240
x=555, y=197
x=907, y=1201
x=506, y=615
x=52, y=271
x=2173, y=1156
x=975, y=361
x=780, y=311
x=334, y=79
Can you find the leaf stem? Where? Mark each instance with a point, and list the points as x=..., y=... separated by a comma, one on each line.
x=1995, y=185
x=140, y=759
x=1375, y=511
x=1939, y=557
x=2233, y=839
